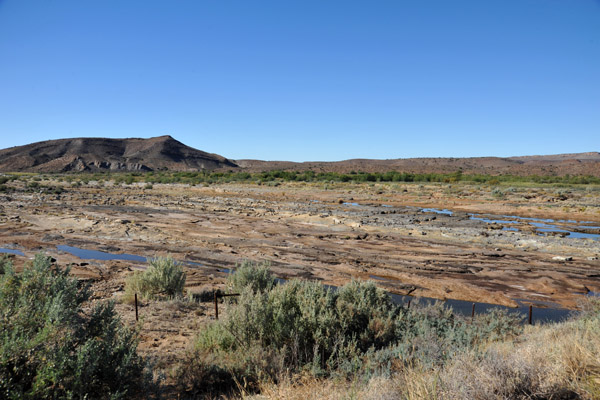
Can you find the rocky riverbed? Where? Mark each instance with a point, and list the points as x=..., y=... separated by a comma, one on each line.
x=437, y=241
x=410, y=239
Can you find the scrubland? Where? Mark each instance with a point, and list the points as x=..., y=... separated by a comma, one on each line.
x=292, y=340
x=298, y=339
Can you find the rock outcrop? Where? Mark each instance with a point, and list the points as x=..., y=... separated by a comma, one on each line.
x=100, y=154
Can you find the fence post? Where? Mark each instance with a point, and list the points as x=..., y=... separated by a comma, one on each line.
x=136, y=308
x=530, y=315
x=473, y=311
x=216, y=306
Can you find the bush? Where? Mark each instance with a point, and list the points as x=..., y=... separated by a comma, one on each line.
x=249, y=274
x=51, y=348
x=271, y=331
x=163, y=278
x=498, y=193
x=5, y=263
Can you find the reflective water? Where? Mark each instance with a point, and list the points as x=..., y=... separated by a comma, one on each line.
x=380, y=278
x=492, y=221
x=549, y=314
x=543, y=315
x=543, y=224
x=86, y=254
x=11, y=251
x=437, y=211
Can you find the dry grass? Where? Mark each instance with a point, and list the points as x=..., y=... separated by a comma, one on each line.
x=307, y=387
x=547, y=362
x=412, y=384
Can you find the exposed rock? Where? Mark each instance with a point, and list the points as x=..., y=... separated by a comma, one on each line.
x=100, y=154
x=561, y=258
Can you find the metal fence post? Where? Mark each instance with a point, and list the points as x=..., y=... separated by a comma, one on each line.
x=136, y=308
x=216, y=306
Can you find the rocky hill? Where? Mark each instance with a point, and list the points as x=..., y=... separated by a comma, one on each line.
x=100, y=154
x=561, y=164
x=166, y=153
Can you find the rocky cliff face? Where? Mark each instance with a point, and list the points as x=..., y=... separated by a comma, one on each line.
x=99, y=154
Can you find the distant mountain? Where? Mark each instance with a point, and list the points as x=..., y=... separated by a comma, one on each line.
x=560, y=164
x=99, y=154
x=166, y=153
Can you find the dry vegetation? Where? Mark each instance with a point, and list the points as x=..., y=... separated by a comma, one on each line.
x=448, y=358
x=297, y=340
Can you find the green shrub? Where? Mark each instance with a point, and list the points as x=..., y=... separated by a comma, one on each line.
x=51, y=348
x=355, y=330
x=498, y=193
x=5, y=263
x=164, y=278
x=256, y=276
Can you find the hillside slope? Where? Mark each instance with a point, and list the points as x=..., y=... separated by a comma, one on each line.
x=561, y=164
x=97, y=154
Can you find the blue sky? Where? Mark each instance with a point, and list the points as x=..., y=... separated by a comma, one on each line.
x=306, y=80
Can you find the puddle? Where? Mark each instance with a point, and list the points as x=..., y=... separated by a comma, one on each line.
x=537, y=303
x=580, y=235
x=437, y=211
x=465, y=308
x=381, y=278
x=567, y=228
x=11, y=251
x=544, y=311
x=492, y=221
x=85, y=254
x=544, y=225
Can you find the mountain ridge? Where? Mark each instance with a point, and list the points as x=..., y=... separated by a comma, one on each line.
x=166, y=153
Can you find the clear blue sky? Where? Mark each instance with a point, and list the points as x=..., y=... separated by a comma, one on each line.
x=306, y=80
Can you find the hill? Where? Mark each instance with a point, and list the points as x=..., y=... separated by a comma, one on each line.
x=98, y=154
x=561, y=164
x=166, y=153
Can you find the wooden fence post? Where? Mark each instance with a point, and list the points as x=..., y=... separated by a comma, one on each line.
x=136, y=308
x=216, y=305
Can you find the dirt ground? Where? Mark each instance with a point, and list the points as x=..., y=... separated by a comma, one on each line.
x=326, y=232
